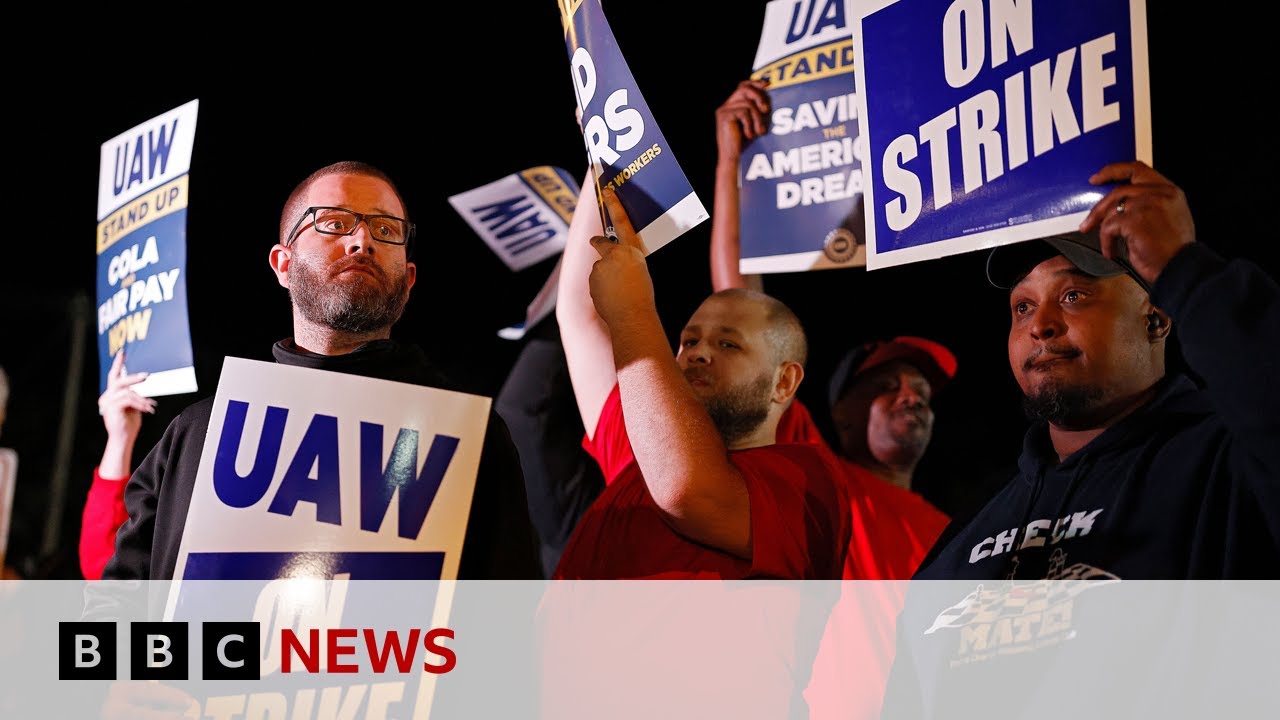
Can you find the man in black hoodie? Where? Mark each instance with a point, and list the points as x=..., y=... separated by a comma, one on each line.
x=1131, y=471
x=343, y=254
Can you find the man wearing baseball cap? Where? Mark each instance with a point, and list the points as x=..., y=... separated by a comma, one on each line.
x=1128, y=470
x=879, y=395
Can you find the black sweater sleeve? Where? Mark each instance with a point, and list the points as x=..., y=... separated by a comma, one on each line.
x=1227, y=316
x=500, y=543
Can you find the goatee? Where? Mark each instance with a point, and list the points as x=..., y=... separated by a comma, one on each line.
x=739, y=411
x=1068, y=407
x=354, y=307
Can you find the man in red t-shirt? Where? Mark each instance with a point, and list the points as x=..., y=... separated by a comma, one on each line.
x=880, y=399
x=880, y=395
x=697, y=485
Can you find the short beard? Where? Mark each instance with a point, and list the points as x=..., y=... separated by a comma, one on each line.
x=345, y=307
x=739, y=411
x=1070, y=408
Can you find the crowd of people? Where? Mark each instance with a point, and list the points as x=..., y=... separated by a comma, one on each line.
x=609, y=456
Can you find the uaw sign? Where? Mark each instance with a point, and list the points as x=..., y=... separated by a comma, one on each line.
x=801, y=183
x=143, y=183
x=310, y=473
x=312, y=480
x=523, y=217
x=627, y=150
x=985, y=119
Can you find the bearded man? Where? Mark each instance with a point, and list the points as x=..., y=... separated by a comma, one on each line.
x=1130, y=469
x=343, y=254
x=697, y=485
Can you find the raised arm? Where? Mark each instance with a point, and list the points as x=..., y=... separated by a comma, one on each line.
x=104, y=512
x=742, y=118
x=1227, y=315
x=681, y=455
x=587, y=347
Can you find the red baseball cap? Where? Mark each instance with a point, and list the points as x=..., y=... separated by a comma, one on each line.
x=932, y=359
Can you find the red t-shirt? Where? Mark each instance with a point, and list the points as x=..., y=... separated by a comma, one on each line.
x=893, y=528
x=799, y=517
x=104, y=513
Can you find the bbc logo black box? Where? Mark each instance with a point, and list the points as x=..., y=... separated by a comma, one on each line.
x=86, y=651
x=231, y=651
x=158, y=650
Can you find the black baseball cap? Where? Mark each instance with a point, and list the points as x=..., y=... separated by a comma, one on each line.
x=1008, y=264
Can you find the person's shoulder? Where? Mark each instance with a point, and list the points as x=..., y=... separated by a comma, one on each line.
x=425, y=372
x=795, y=460
x=193, y=420
x=197, y=412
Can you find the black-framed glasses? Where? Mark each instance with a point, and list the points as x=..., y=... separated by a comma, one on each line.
x=341, y=221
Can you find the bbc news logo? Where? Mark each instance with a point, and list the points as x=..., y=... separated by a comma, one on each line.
x=230, y=650
x=158, y=651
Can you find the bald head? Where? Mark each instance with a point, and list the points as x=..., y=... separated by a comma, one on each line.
x=783, y=330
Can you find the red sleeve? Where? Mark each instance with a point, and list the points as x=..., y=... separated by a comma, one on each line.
x=104, y=513
x=799, y=514
x=611, y=446
x=797, y=426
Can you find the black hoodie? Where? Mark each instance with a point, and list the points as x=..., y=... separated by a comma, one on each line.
x=1188, y=486
x=499, y=542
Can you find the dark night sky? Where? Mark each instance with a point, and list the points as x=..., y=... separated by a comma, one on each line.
x=445, y=107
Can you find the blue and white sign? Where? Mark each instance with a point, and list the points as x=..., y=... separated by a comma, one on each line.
x=310, y=480
x=523, y=217
x=143, y=184
x=369, y=479
x=801, y=184
x=624, y=145
x=985, y=118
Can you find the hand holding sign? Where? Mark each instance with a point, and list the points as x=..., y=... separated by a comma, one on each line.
x=625, y=147
x=1147, y=218
x=120, y=406
x=741, y=118
x=620, y=282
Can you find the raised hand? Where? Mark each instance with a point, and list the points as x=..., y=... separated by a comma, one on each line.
x=743, y=117
x=121, y=408
x=1145, y=220
x=620, y=282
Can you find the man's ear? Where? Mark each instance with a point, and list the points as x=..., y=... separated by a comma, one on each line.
x=789, y=377
x=280, y=259
x=1158, y=324
x=411, y=274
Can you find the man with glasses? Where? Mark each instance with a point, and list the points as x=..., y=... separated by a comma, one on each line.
x=343, y=254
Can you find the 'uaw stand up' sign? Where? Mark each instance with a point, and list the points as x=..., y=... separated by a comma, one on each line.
x=143, y=189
